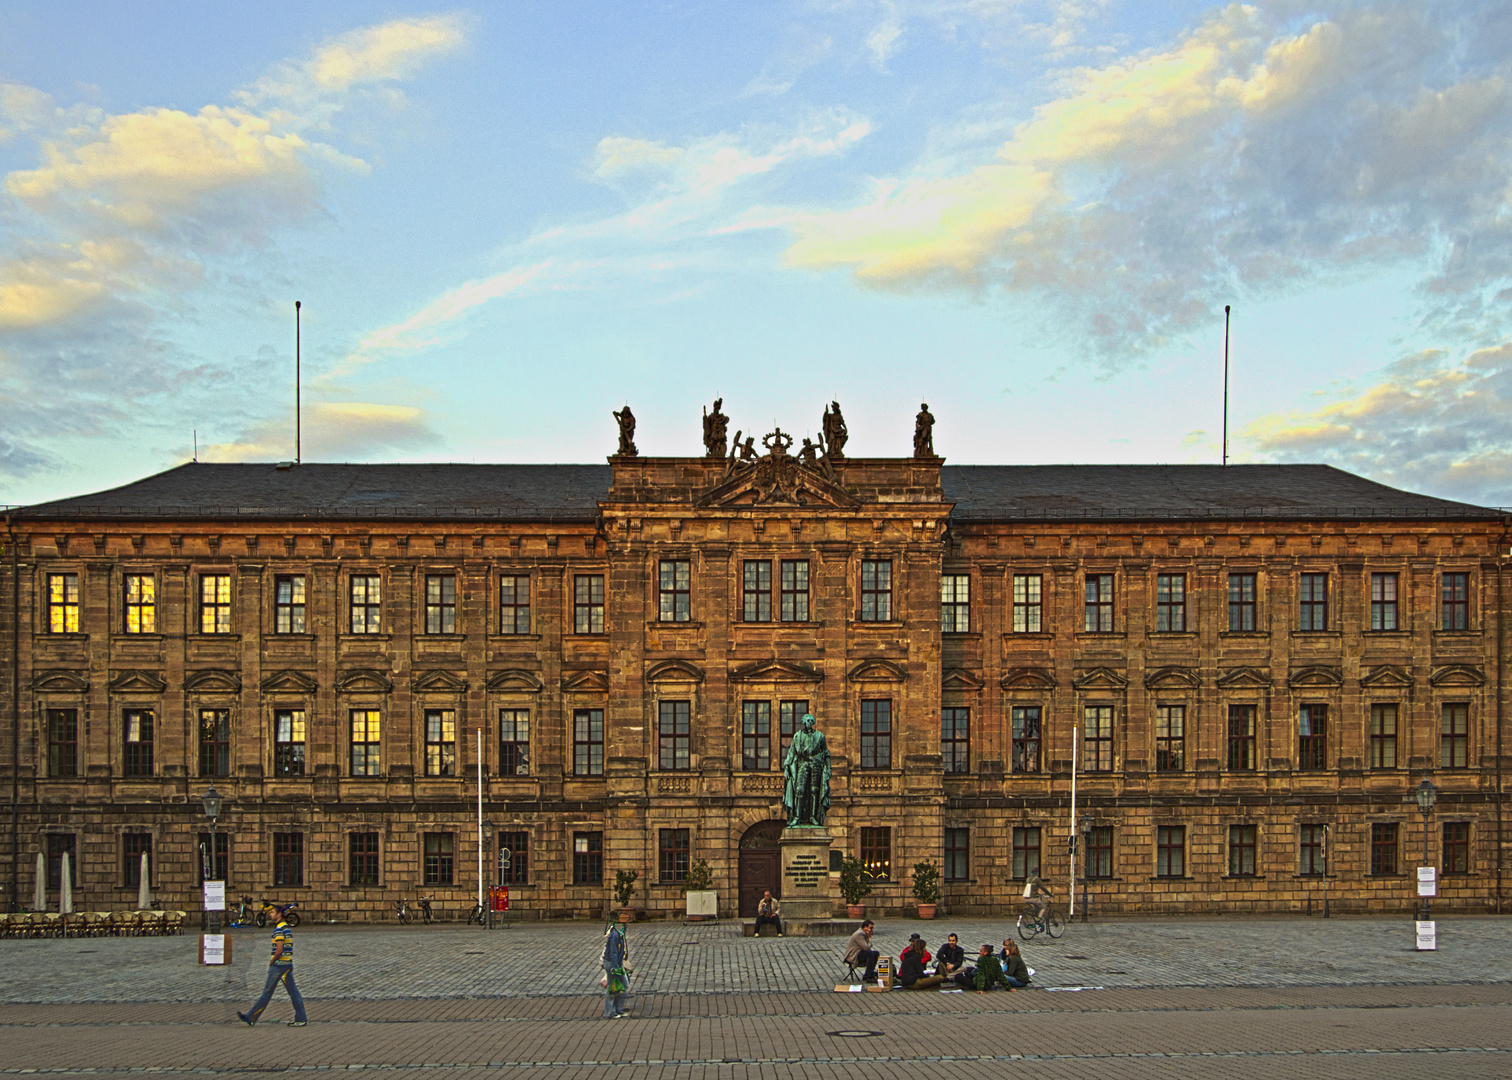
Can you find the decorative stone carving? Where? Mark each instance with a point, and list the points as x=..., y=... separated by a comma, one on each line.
x=626, y=420
x=1172, y=676
x=778, y=478
x=363, y=681
x=1457, y=675
x=211, y=679
x=57, y=681
x=1244, y=676
x=438, y=680
x=589, y=680
x=1100, y=678
x=775, y=670
x=877, y=670
x=1029, y=678
x=517, y=679
x=1386, y=675
x=715, y=426
x=293, y=682
x=1316, y=675
x=675, y=671
x=143, y=682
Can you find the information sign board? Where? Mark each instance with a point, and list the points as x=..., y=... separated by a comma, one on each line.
x=1427, y=936
x=215, y=896
x=214, y=949
x=1427, y=880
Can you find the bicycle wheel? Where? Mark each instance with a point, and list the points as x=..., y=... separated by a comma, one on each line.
x=475, y=915
x=292, y=918
x=1027, y=927
x=1055, y=926
x=262, y=918
x=404, y=918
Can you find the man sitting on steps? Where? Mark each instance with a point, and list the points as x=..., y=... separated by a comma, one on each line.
x=768, y=913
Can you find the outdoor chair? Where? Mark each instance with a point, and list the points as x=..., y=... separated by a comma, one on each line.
x=173, y=921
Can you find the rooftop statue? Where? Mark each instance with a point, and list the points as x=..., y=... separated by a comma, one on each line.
x=924, y=432
x=715, y=425
x=833, y=428
x=626, y=421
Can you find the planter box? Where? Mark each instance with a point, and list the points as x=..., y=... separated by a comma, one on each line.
x=703, y=903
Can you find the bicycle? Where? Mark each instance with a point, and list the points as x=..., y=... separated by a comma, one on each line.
x=242, y=915
x=425, y=908
x=1029, y=922
x=479, y=915
x=402, y=911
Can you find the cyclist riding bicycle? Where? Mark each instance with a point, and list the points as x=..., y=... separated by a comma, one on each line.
x=1037, y=894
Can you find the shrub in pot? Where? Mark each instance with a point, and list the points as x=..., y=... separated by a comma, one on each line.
x=926, y=888
x=854, y=886
x=624, y=888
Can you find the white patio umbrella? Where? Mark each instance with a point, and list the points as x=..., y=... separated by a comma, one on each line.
x=65, y=888
x=144, y=888
x=39, y=891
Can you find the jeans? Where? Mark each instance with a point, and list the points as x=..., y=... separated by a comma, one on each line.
x=869, y=958
x=767, y=920
x=277, y=972
x=1017, y=984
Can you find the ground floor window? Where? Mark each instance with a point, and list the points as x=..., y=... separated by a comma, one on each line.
x=588, y=858
x=438, y=858
x=957, y=854
x=1456, y=847
x=672, y=846
x=1100, y=851
x=58, y=845
x=1383, y=848
x=1314, y=851
x=364, y=858
x=133, y=846
x=1170, y=851
x=876, y=852
x=1241, y=850
x=216, y=863
x=288, y=859
x=514, y=858
x=1026, y=852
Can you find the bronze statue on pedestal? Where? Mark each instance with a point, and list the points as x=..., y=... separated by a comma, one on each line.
x=806, y=777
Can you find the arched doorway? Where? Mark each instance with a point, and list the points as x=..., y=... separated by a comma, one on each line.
x=760, y=865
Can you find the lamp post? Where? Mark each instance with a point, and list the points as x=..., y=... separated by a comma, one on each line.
x=1426, y=795
x=212, y=803
x=1086, y=832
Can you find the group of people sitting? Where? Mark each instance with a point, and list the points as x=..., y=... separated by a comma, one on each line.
x=917, y=970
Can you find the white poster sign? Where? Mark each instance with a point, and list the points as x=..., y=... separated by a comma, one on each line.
x=1427, y=936
x=214, y=949
x=1427, y=880
x=215, y=896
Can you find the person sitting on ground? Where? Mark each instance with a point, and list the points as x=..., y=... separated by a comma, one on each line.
x=911, y=968
x=768, y=913
x=858, y=950
x=989, y=973
x=1037, y=894
x=1014, y=968
x=951, y=958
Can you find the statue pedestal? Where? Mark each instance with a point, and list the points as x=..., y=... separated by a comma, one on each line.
x=806, y=893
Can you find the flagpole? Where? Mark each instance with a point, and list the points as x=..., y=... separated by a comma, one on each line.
x=1075, y=746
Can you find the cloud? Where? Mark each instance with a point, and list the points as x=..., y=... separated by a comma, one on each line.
x=1246, y=156
x=1429, y=422
x=332, y=431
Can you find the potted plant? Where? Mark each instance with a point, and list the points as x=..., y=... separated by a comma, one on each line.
x=853, y=886
x=701, y=898
x=926, y=888
x=624, y=888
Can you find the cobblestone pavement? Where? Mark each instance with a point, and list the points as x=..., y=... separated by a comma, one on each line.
x=672, y=957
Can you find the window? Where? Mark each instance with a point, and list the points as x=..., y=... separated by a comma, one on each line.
x=63, y=603
x=1241, y=737
x=514, y=857
x=1026, y=852
x=1312, y=737
x=1383, y=848
x=1170, y=738
x=955, y=603
x=1098, y=617
x=673, y=735
x=1170, y=851
x=133, y=846
x=514, y=742
x=289, y=742
x=141, y=604
x=876, y=590
x=876, y=852
x=1454, y=736
x=1100, y=852
x=957, y=855
x=1383, y=601
x=218, y=865
x=1383, y=736
x=674, y=582
x=1456, y=847
x=588, y=858
x=215, y=603
x=756, y=589
x=367, y=739
x=876, y=734
x=438, y=858
x=1170, y=602
x=440, y=603
x=289, y=604
x=440, y=742
x=1314, y=602
x=789, y=713
x=588, y=604
x=755, y=735
x=1314, y=851
x=1456, y=602
x=58, y=845
x=514, y=605
x=955, y=739
x=1241, y=851
x=1241, y=602
x=366, y=603
x=215, y=742
x=62, y=742
x=1026, y=604
x=1026, y=738
x=588, y=742
x=1097, y=738
x=137, y=729
x=364, y=858
x=794, y=605
x=672, y=849
x=288, y=859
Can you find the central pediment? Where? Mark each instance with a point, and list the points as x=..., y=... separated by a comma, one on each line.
x=778, y=478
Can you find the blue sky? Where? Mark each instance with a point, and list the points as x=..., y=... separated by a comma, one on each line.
x=508, y=220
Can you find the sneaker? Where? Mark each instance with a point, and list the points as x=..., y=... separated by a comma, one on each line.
x=298, y=1023
x=244, y=1018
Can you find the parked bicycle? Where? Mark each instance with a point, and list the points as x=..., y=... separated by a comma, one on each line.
x=1029, y=923
x=479, y=915
x=425, y=908
x=402, y=911
x=286, y=911
x=243, y=915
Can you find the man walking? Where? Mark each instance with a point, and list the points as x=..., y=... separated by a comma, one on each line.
x=858, y=950
x=616, y=964
x=280, y=969
x=768, y=913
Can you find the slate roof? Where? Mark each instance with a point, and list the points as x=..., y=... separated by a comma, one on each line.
x=981, y=493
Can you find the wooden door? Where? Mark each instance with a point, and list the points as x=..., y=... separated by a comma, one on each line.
x=760, y=870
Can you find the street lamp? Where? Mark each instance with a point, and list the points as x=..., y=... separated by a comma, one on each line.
x=1086, y=832
x=212, y=803
x=1426, y=795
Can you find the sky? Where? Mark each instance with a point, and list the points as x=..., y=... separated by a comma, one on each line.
x=505, y=221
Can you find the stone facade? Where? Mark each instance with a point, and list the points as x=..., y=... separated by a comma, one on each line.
x=689, y=665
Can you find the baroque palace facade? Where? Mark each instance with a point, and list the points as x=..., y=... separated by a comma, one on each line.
x=1251, y=667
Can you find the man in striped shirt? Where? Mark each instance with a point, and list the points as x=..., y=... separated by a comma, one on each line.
x=280, y=969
